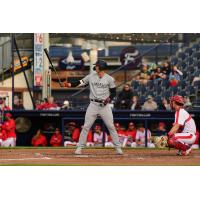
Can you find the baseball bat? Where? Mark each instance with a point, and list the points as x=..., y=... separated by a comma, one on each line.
x=47, y=54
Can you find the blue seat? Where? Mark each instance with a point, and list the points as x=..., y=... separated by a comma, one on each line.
x=191, y=90
x=174, y=61
x=166, y=94
x=197, y=84
x=182, y=65
x=142, y=89
x=182, y=93
x=150, y=84
x=158, y=89
x=188, y=52
x=135, y=84
x=189, y=61
x=196, y=56
x=181, y=56
x=142, y=99
x=195, y=47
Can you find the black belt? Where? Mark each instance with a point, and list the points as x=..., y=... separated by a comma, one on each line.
x=96, y=100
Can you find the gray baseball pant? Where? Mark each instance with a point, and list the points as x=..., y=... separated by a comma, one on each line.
x=93, y=110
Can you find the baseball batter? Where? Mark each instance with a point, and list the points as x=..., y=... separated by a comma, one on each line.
x=183, y=139
x=102, y=90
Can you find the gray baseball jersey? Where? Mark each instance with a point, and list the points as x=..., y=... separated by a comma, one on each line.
x=99, y=87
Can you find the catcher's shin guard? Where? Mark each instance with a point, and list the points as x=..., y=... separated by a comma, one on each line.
x=181, y=146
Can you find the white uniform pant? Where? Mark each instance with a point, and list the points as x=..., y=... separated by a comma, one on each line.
x=9, y=142
x=150, y=145
x=68, y=143
x=93, y=110
x=1, y=142
x=185, y=138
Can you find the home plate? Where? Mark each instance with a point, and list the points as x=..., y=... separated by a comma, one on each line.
x=140, y=158
x=81, y=156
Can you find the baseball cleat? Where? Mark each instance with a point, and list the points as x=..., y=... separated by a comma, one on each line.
x=179, y=153
x=78, y=151
x=187, y=152
x=119, y=151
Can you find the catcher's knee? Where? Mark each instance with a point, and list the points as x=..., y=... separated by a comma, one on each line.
x=171, y=142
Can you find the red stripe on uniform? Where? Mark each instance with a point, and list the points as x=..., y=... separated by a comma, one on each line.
x=184, y=137
x=177, y=116
x=188, y=119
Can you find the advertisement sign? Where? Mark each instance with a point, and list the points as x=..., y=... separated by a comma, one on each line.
x=76, y=64
x=130, y=57
x=38, y=59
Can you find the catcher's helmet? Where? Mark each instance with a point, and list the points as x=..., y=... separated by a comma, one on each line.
x=178, y=99
x=101, y=64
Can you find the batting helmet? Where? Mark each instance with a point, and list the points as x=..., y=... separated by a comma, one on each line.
x=101, y=64
x=178, y=99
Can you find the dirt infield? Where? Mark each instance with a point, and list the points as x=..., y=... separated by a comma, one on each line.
x=96, y=157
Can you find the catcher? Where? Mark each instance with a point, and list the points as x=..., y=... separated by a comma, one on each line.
x=182, y=134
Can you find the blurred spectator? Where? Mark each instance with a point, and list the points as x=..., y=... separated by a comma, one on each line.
x=3, y=105
x=56, y=138
x=99, y=136
x=149, y=104
x=196, y=78
x=166, y=69
x=123, y=138
x=9, y=126
x=140, y=137
x=48, y=105
x=72, y=135
x=90, y=141
x=196, y=143
x=65, y=105
x=17, y=104
x=188, y=103
x=174, y=76
x=144, y=75
x=124, y=98
x=135, y=105
x=131, y=133
x=3, y=135
x=161, y=128
x=158, y=74
x=164, y=105
x=39, y=139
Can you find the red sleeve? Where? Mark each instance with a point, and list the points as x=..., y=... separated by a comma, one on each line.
x=60, y=139
x=75, y=135
x=41, y=106
x=33, y=141
x=90, y=137
x=52, y=140
x=45, y=141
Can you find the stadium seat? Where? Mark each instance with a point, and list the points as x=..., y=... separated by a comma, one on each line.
x=182, y=93
x=195, y=47
x=181, y=56
x=196, y=56
x=158, y=89
x=150, y=84
x=188, y=52
x=174, y=61
x=166, y=94
x=142, y=89
x=189, y=61
x=135, y=84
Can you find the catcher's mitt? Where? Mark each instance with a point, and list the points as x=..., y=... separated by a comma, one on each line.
x=160, y=141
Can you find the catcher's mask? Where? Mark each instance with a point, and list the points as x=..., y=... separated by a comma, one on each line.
x=178, y=100
x=101, y=64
